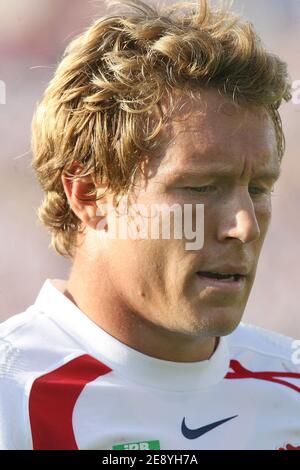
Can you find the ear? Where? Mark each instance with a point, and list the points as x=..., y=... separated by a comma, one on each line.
x=83, y=205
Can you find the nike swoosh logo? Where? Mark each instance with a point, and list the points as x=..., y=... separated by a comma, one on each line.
x=194, y=433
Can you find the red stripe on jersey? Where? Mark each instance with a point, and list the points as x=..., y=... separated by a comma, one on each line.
x=240, y=372
x=52, y=400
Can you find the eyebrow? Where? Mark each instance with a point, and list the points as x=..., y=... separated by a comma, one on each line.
x=271, y=175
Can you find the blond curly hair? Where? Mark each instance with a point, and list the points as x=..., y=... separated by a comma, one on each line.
x=97, y=109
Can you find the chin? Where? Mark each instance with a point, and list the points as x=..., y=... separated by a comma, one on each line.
x=219, y=322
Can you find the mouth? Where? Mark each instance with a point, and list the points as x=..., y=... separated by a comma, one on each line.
x=220, y=276
x=221, y=282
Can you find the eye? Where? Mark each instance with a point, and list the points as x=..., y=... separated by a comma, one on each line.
x=256, y=190
x=202, y=189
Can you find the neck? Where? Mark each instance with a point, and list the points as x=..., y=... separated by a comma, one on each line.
x=98, y=299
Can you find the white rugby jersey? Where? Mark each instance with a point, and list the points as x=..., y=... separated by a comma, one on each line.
x=65, y=383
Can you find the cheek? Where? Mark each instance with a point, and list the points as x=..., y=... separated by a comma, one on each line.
x=143, y=260
x=263, y=212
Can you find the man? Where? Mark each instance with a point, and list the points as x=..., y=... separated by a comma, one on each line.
x=142, y=347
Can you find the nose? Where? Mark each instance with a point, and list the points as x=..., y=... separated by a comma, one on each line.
x=238, y=219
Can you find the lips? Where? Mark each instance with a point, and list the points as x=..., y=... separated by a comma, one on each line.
x=220, y=276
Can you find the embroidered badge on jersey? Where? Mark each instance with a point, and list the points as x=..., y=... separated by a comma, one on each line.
x=143, y=445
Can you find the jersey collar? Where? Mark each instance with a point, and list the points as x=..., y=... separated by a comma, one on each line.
x=128, y=362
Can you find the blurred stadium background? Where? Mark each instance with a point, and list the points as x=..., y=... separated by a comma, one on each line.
x=34, y=34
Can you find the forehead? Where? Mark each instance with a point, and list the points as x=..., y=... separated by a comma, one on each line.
x=217, y=132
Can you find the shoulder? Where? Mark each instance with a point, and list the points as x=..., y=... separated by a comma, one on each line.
x=31, y=344
x=264, y=348
x=33, y=341
x=24, y=333
x=13, y=334
x=12, y=405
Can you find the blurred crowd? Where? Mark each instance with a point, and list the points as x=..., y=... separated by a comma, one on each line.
x=33, y=36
